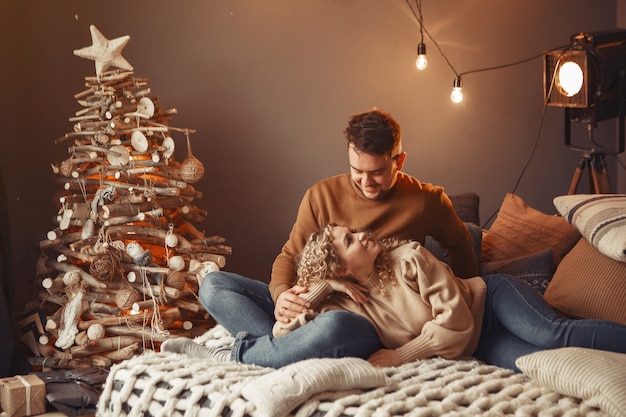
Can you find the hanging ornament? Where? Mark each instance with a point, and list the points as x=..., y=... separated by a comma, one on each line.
x=176, y=263
x=139, y=141
x=191, y=169
x=126, y=297
x=176, y=279
x=118, y=155
x=67, y=167
x=168, y=146
x=171, y=240
x=145, y=107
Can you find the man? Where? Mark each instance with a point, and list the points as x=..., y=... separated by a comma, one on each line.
x=375, y=196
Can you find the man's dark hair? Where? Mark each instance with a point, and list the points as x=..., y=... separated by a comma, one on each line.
x=374, y=132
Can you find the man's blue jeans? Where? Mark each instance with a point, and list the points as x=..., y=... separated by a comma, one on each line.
x=518, y=321
x=245, y=308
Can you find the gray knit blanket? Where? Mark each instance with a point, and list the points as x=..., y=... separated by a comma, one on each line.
x=172, y=385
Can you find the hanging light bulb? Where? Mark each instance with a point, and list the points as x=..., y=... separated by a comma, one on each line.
x=421, y=62
x=457, y=91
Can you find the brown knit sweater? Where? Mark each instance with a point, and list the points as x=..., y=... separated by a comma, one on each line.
x=410, y=210
x=429, y=312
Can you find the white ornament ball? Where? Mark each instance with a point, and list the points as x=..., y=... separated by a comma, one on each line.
x=134, y=249
x=71, y=277
x=171, y=240
x=95, y=331
x=176, y=263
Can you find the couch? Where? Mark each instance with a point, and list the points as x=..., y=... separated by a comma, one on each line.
x=576, y=260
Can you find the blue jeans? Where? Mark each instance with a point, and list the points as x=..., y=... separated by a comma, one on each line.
x=518, y=321
x=245, y=308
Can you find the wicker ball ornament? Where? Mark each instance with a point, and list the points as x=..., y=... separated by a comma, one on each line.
x=105, y=266
x=126, y=297
x=191, y=169
x=176, y=279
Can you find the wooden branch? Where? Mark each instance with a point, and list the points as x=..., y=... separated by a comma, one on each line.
x=66, y=267
x=103, y=345
x=144, y=333
x=170, y=313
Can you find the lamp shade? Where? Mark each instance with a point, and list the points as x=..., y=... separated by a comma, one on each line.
x=586, y=76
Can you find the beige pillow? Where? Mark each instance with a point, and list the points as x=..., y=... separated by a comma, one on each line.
x=601, y=218
x=595, y=376
x=588, y=284
x=521, y=230
x=277, y=393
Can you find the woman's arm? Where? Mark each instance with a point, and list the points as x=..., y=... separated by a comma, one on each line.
x=450, y=328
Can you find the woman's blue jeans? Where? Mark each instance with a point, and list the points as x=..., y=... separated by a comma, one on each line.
x=518, y=321
x=245, y=308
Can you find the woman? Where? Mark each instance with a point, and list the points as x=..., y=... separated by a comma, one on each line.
x=419, y=309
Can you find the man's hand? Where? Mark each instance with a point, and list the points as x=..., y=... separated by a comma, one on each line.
x=289, y=304
x=384, y=358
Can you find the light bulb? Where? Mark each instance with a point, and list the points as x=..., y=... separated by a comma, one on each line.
x=421, y=62
x=570, y=78
x=457, y=91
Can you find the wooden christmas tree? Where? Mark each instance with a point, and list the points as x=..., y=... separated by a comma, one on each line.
x=120, y=271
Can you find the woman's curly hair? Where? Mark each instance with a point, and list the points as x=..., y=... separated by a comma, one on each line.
x=319, y=260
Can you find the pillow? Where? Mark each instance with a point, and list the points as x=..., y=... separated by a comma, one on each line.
x=588, y=284
x=522, y=230
x=535, y=270
x=595, y=376
x=466, y=206
x=277, y=393
x=601, y=218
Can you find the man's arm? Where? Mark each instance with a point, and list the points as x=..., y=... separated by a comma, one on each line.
x=282, y=285
x=454, y=236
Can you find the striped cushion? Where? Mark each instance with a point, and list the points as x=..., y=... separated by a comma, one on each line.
x=600, y=218
x=596, y=376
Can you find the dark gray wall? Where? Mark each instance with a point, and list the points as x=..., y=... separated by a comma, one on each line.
x=269, y=86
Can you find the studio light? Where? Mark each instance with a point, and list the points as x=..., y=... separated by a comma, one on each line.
x=588, y=76
x=588, y=80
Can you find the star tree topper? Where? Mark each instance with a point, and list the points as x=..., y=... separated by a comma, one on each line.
x=104, y=52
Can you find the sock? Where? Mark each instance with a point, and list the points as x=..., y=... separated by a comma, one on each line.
x=193, y=349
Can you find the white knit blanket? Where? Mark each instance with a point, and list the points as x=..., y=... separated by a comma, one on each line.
x=172, y=385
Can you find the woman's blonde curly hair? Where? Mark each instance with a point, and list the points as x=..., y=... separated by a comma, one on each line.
x=319, y=260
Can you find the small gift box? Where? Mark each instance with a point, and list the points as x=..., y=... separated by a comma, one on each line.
x=23, y=395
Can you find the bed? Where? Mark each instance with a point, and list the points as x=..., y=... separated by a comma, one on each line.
x=561, y=382
x=167, y=384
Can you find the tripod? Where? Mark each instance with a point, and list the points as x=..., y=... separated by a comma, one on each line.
x=598, y=177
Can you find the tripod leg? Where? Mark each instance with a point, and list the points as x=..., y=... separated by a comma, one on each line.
x=599, y=178
x=578, y=172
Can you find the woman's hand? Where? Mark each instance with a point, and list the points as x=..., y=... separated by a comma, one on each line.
x=355, y=291
x=289, y=304
x=384, y=358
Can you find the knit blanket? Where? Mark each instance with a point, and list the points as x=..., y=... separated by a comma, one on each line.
x=167, y=384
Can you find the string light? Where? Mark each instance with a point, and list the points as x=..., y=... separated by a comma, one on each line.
x=457, y=91
x=422, y=61
x=456, y=96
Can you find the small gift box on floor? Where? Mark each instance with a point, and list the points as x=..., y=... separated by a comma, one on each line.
x=23, y=395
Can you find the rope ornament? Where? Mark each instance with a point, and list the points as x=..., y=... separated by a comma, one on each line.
x=191, y=169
